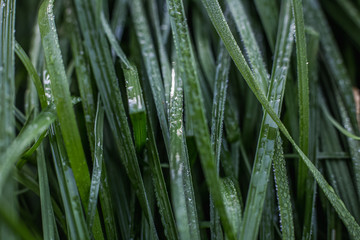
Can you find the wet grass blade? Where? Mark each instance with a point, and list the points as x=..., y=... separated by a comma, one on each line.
x=163, y=201
x=7, y=101
x=75, y=219
x=151, y=65
x=196, y=108
x=267, y=139
x=339, y=76
x=252, y=49
x=105, y=77
x=64, y=108
x=283, y=192
x=97, y=165
x=32, y=72
x=303, y=92
x=183, y=198
x=218, y=20
x=40, y=124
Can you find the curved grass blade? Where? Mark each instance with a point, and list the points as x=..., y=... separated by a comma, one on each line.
x=32, y=72
x=339, y=76
x=118, y=19
x=14, y=151
x=283, y=192
x=195, y=107
x=303, y=92
x=252, y=49
x=104, y=74
x=267, y=139
x=7, y=101
x=218, y=20
x=218, y=111
x=151, y=65
x=64, y=108
x=232, y=203
x=338, y=125
x=87, y=99
x=98, y=164
x=183, y=198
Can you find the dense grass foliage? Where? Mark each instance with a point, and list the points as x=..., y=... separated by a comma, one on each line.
x=179, y=119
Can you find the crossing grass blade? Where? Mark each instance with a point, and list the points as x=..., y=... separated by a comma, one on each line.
x=64, y=108
x=217, y=18
x=151, y=65
x=268, y=132
x=196, y=108
x=252, y=49
x=339, y=75
x=40, y=124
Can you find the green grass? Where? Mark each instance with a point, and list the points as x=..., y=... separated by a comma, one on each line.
x=179, y=119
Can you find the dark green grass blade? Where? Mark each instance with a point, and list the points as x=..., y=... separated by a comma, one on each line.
x=339, y=75
x=196, y=108
x=252, y=49
x=232, y=203
x=64, y=108
x=97, y=165
x=303, y=93
x=104, y=74
x=269, y=15
x=7, y=101
x=47, y=213
x=268, y=132
x=161, y=192
x=32, y=72
x=164, y=61
x=75, y=219
x=218, y=111
x=312, y=50
x=181, y=184
x=151, y=64
x=283, y=192
x=17, y=147
x=18, y=228
x=218, y=20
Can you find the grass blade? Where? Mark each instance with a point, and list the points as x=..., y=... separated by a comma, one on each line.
x=283, y=192
x=196, y=108
x=252, y=49
x=181, y=185
x=104, y=74
x=97, y=168
x=151, y=65
x=218, y=20
x=303, y=92
x=62, y=99
x=7, y=101
x=40, y=124
x=268, y=132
